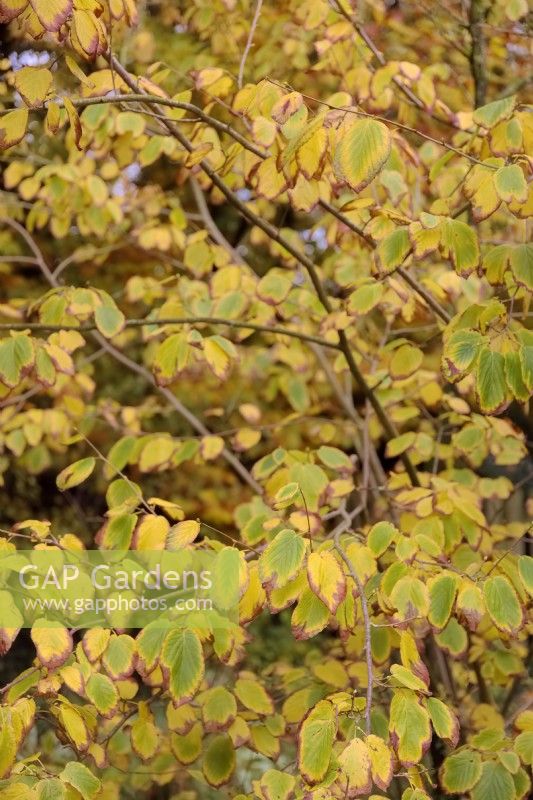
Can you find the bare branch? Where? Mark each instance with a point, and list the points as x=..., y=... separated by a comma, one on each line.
x=209, y=222
x=476, y=18
x=140, y=323
x=249, y=42
x=366, y=620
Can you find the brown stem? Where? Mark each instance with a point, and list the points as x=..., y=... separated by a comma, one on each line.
x=476, y=18
x=140, y=323
x=367, y=625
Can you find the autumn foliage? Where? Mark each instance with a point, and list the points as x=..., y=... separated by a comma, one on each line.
x=265, y=292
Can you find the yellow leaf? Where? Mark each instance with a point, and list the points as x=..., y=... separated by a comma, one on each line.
x=311, y=153
x=74, y=121
x=150, y=533
x=380, y=761
x=33, y=85
x=52, y=13
x=362, y=150
x=183, y=534
x=95, y=642
x=211, y=447
x=218, y=354
x=74, y=726
x=86, y=33
x=52, y=641
x=355, y=764
x=10, y=9
x=13, y=127
x=156, y=454
x=326, y=578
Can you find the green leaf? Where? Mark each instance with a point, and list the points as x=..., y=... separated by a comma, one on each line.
x=460, y=352
x=509, y=760
x=81, y=779
x=461, y=771
x=119, y=657
x=282, y=559
x=124, y=494
x=253, y=696
x=380, y=537
x=182, y=655
x=409, y=727
x=526, y=362
x=495, y=783
x=116, y=532
x=119, y=456
x=525, y=570
x=442, y=591
x=490, y=114
x=171, y=358
x=219, y=708
x=491, y=385
x=276, y=785
x=365, y=298
x=108, y=317
x=400, y=444
x=334, y=458
x=392, y=251
x=407, y=679
x=187, y=747
x=75, y=474
x=8, y=743
x=521, y=261
x=524, y=747
x=286, y=496
x=511, y=184
x=410, y=597
x=218, y=353
x=273, y=288
x=362, y=150
x=513, y=376
x=310, y=616
x=219, y=761
x=49, y=789
x=405, y=361
x=503, y=605
x=453, y=639
x=315, y=742
x=149, y=645
x=445, y=723
x=102, y=693
x=16, y=358
x=459, y=240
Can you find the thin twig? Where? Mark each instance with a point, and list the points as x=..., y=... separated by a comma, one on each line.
x=249, y=42
x=210, y=224
x=141, y=323
x=39, y=258
x=367, y=624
